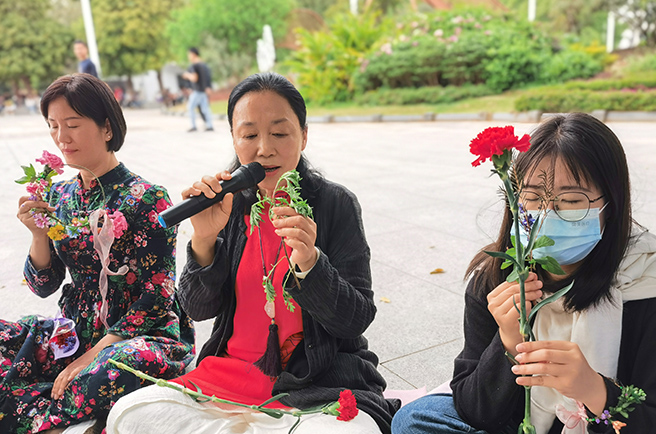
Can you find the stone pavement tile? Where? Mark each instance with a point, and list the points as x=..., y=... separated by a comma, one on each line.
x=417, y=252
x=417, y=190
x=394, y=382
x=412, y=314
x=430, y=367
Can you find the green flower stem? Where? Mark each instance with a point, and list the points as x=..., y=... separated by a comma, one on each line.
x=277, y=413
x=522, y=272
x=291, y=269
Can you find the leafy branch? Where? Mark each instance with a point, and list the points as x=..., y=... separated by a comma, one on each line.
x=287, y=193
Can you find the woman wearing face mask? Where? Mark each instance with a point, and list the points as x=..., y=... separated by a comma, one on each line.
x=596, y=338
x=320, y=349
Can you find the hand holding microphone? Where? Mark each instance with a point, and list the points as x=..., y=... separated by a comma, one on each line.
x=209, y=191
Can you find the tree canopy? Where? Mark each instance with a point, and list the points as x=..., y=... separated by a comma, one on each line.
x=129, y=34
x=34, y=46
x=237, y=22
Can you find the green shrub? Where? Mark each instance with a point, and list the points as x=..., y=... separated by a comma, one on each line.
x=561, y=100
x=642, y=63
x=648, y=82
x=327, y=60
x=570, y=64
x=518, y=56
x=423, y=95
x=408, y=64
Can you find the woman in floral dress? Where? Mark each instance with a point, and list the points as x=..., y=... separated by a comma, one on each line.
x=121, y=296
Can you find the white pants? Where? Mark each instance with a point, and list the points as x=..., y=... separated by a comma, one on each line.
x=161, y=410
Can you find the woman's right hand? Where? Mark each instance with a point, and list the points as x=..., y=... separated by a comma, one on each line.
x=209, y=222
x=501, y=304
x=25, y=205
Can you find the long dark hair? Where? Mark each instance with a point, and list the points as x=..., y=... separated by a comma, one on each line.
x=91, y=98
x=591, y=152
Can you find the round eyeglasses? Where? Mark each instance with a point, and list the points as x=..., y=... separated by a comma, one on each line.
x=571, y=206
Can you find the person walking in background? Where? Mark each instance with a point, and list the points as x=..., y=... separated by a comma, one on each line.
x=85, y=65
x=201, y=84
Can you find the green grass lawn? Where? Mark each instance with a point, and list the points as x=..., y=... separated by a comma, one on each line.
x=495, y=103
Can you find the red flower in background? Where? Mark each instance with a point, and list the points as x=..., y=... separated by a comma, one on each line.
x=494, y=141
x=347, y=406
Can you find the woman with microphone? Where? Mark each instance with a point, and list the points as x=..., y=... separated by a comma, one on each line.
x=308, y=342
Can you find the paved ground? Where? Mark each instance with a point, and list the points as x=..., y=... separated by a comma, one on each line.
x=424, y=207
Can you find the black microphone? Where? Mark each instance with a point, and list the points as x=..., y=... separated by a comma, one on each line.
x=244, y=177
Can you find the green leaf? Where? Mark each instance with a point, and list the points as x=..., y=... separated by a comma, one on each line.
x=271, y=412
x=256, y=212
x=291, y=430
x=30, y=175
x=506, y=264
x=512, y=277
x=531, y=237
x=273, y=398
x=551, y=265
x=502, y=255
x=23, y=180
x=268, y=288
x=198, y=389
x=553, y=297
x=543, y=241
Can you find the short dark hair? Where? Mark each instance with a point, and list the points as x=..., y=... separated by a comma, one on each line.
x=91, y=98
x=274, y=82
x=79, y=41
x=194, y=50
x=591, y=151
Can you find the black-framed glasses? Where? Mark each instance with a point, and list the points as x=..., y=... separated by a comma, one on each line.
x=571, y=206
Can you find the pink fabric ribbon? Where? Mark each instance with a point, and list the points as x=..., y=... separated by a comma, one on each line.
x=574, y=421
x=102, y=243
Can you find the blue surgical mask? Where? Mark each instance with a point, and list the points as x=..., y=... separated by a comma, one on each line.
x=573, y=241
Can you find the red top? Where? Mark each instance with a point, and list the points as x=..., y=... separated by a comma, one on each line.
x=233, y=376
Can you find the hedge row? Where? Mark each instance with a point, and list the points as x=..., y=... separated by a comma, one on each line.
x=614, y=84
x=422, y=95
x=564, y=100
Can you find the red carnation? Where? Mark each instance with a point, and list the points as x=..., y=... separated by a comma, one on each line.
x=494, y=141
x=347, y=406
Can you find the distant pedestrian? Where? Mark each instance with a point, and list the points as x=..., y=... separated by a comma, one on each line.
x=201, y=84
x=31, y=102
x=82, y=53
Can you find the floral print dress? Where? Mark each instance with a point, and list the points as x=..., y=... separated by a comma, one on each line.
x=157, y=336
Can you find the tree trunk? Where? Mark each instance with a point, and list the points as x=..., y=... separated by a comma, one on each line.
x=129, y=84
x=159, y=81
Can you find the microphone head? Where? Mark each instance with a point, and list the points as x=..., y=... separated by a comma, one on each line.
x=255, y=170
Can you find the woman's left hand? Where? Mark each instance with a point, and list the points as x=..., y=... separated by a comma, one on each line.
x=299, y=233
x=69, y=373
x=562, y=366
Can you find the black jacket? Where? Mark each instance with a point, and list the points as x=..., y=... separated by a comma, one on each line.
x=484, y=389
x=336, y=302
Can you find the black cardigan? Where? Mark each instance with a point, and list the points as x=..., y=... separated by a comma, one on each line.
x=336, y=302
x=484, y=389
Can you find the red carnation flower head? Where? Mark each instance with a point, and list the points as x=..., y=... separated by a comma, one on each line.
x=347, y=406
x=495, y=141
